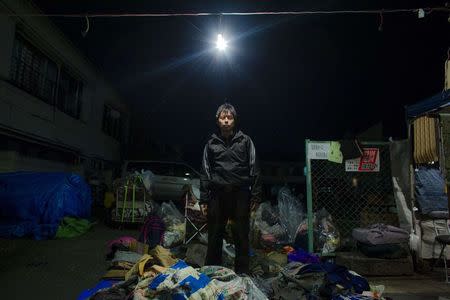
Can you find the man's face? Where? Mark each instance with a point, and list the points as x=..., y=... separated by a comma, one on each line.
x=226, y=121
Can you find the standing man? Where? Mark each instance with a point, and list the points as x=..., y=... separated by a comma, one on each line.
x=230, y=187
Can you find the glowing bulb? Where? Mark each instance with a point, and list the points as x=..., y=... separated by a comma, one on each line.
x=221, y=44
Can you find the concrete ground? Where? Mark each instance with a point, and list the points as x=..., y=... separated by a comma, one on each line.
x=61, y=269
x=417, y=287
x=55, y=269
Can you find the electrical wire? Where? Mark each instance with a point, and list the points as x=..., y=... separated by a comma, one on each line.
x=255, y=13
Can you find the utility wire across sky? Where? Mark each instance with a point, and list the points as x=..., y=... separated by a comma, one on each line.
x=254, y=13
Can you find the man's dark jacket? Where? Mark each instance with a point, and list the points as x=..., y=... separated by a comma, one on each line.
x=230, y=163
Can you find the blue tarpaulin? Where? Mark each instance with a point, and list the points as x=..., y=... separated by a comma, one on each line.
x=438, y=101
x=86, y=294
x=34, y=203
x=430, y=190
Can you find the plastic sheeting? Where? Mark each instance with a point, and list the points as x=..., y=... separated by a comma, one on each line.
x=277, y=224
x=400, y=154
x=404, y=213
x=35, y=203
x=175, y=226
x=430, y=190
x=290, y=212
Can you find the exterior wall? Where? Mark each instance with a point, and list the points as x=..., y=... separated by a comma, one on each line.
x=29, y=115
x=12, y=161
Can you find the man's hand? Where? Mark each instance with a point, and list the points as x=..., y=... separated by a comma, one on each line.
x=204, y=208
x=254, y=205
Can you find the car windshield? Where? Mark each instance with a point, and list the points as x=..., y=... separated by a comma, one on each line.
x=156, y=167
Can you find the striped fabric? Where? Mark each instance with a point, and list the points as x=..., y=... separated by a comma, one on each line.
x=425, y=140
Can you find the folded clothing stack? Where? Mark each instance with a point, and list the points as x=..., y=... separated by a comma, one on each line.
x=382, y=241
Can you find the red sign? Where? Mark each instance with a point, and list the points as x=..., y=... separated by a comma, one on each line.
x=369, y=162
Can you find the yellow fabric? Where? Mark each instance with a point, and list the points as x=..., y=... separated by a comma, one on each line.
x=109, y=199
x=163, y=257
x=142, y=263
x=157, y=261
x=139, y=247
x=115, y=274
x=137, y=266
x=425, y=140
x=123, y=264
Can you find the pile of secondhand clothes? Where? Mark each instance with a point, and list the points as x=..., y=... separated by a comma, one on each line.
x=160, y=275
x=144, y=268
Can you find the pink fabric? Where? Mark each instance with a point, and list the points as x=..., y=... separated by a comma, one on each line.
x=124, y=240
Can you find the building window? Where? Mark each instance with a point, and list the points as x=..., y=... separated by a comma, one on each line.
x=70, y=91
x=112, y=122
x=33, y=72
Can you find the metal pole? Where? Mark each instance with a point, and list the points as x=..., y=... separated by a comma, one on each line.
x=185, y=217
x=309, y=199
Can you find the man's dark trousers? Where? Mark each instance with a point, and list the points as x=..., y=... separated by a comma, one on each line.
x=234, y=205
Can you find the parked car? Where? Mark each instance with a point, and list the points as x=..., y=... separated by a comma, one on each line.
x=170, y=177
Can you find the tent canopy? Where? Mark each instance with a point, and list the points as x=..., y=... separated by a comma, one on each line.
x=436, y=102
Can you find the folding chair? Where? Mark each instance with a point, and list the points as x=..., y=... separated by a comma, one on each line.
x=187, y=206
x=443, y=238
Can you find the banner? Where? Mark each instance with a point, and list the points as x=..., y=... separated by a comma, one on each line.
x=369, y=162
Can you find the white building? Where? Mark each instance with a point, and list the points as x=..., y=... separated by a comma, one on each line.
x=57, y=112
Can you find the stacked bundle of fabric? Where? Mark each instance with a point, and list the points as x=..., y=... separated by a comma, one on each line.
x=382, y=241
x=314, y=281
x=133, y=271
x=181, y=281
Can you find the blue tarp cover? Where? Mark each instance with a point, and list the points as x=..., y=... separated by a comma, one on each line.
x=34, y=203
x=430, y=190
x=438, y=101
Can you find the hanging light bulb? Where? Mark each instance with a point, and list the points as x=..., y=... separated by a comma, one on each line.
x=221, y=44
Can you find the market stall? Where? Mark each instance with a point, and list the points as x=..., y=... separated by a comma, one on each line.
x=429, y=136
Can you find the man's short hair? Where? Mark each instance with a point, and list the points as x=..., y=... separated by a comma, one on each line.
x=226, y=107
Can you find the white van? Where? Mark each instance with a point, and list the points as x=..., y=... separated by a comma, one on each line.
x=170, y=177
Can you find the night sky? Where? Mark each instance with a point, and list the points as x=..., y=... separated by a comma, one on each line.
x=290, y=78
